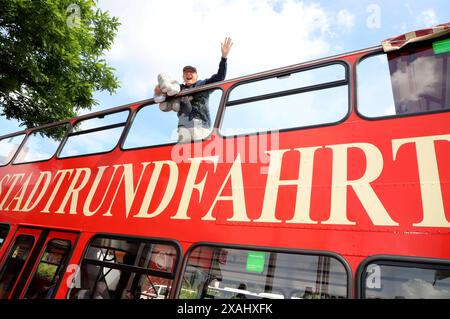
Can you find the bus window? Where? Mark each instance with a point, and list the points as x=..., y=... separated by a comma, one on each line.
x=405, y=280
x=307, y=98
x=49, y=270
x=225, y=273
x=410, y=81
x=4, y=230
x=14, y=264
x=41, y=145
x=290, y=81
x=95, y=135
x=152, y=127
x=9, y=147
x=115, y=268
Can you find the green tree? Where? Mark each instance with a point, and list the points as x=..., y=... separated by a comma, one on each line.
x=51, y=58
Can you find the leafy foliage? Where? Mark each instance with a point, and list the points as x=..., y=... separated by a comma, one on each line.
x=51, y=58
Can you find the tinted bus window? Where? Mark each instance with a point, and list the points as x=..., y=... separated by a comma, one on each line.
x=307, y=98
x=14, y=264
x=41, y=145
x=224, y=273
x=4, y=230
x=97, y=135
x=151, y=126
x=411, y=81
x=49, y=270
x=404, y=280
x=9, y=147
x=126, y=269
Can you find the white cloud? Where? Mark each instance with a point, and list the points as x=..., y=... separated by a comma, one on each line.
x=418, y=288
x=345, y=19
x=424, y=85
x=163, y=36
x=427, y=18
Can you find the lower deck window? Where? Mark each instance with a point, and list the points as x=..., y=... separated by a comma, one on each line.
x=14, y=264
x=231, y=273
x=4, y=230
x=405, y=280
x=49, y=270
x=115, y=268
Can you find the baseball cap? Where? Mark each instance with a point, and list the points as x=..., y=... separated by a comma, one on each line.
x=189, y=68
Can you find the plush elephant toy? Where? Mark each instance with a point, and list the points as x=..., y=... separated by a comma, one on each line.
x=167, y=87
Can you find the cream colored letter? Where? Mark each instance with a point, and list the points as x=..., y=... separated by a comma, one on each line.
x=7, y=177
x=62, y=174
x=20, y=194
x=168, y=192
x=93, y=191
x=14, y=179
x=130, y=190
x=303, y=183
x=238, y=196
x=430, y=185
x=191, y=185
x=74, y=191
x=372, y=204
x=48, y=176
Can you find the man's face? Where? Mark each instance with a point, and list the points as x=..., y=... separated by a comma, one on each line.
x=189, y=77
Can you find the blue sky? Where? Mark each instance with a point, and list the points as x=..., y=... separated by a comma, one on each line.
x=163, y=36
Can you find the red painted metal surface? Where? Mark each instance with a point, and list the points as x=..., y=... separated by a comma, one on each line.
x=397, y=188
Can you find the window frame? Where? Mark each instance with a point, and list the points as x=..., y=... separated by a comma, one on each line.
x=25, y=136
x=64, y=264
x=339, y=258
x=29, y=133
x=379, y=51
x=318, y=87
x=393, y=260
x=93, y=130
x=153, y=240
x=5, y=240
x=203, y=88
x=8, y=256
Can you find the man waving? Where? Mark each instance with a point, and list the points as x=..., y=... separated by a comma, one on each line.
x=194, y=121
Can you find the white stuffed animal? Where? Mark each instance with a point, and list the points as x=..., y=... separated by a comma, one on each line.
x=167, y=87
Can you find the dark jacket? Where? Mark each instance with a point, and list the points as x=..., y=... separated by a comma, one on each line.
x=198, y=106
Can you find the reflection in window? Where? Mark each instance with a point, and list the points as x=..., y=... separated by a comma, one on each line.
x=126, y=269
x=404, y=82
x=406, y=281
x=224, y=273
x=97, y=135
x=154, y=127
x=8, y=147
x=4, y=230
x=41, y=145
x=49, y=270
x=14, y=264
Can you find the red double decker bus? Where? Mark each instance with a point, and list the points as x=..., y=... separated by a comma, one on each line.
x=325, y=179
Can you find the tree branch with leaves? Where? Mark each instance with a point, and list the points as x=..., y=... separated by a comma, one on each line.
x=51, y=58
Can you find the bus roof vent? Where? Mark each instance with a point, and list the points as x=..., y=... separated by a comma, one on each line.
x=400, y=41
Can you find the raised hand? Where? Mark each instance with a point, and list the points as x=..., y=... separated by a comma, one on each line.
x=226, y=47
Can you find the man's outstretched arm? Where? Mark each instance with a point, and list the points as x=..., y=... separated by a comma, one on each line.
x=222, y=72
